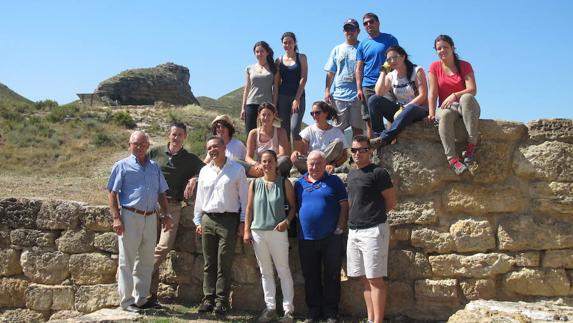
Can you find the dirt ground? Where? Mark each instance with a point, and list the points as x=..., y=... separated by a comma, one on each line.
x=88, y=188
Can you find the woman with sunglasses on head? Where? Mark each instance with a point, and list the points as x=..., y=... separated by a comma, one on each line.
x=406, y=84
x=290, y=81
x=259, y=84
x=453, y=85
x=322, y=136
x=266, y=224
x=268, y=137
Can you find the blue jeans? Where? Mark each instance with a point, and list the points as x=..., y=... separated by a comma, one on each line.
x=380, y=108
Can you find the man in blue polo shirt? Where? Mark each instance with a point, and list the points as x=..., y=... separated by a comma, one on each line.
x=323, y=211
x=370, y=55
x=135, y=187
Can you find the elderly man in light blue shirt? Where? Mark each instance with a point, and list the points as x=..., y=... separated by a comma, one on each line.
x=135, y=187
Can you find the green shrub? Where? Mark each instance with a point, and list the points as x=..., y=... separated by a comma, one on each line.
x=123, y=119
x=46, y=105
x=101, y=139
x=60, y=113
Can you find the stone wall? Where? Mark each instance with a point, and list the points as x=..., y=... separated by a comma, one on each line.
x=503, y=232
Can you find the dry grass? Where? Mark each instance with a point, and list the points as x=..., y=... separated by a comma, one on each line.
x=71, y=158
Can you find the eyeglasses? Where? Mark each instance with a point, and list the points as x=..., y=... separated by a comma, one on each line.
x=359, y=150
x=350, y=28
x=393, y=58
x=369, y=22
x=315, y=113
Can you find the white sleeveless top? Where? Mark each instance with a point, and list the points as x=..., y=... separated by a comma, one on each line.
x=272, y=144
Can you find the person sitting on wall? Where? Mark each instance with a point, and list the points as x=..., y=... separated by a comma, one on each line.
x=407, y=84
x=268, y=137
x=453, y=85
x=322, y=136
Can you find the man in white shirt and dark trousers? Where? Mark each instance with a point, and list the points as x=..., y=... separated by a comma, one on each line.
x=219, y=215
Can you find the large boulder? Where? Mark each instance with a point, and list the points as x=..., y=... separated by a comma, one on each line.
x=168, y=83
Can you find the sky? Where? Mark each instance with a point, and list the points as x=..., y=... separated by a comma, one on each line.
x=520, y=50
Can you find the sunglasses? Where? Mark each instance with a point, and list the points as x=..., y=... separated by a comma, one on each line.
x=315, y=113
x=359, y=150
x=350, y=28
x=369, y=22
x=392, y=58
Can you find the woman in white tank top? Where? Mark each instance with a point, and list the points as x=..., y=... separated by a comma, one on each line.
x=268, y=137
x=401, y=96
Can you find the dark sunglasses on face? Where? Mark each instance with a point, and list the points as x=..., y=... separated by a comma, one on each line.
x=350, y=28
x=359, y=150
x=369, y=22
x=315, y=113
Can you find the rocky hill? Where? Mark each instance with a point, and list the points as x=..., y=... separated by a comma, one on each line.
x=167, y=83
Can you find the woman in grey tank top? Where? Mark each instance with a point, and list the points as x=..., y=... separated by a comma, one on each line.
x=259, y=84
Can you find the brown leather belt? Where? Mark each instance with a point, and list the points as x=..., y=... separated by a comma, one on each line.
x=134, y=210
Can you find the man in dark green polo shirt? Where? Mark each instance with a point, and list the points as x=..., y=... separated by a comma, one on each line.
x=180, y=169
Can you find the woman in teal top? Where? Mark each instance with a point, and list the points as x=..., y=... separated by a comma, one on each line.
x=266, y=224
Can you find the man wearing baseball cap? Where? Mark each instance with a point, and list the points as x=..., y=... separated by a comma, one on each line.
x=340, y=71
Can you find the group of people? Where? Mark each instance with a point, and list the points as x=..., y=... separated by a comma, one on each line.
x=366, y=82
x=227, y=208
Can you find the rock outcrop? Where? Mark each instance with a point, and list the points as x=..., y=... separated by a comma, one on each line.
x=167, y=83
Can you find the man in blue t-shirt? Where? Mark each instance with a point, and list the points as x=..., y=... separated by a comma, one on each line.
x=322, y=213
x=370, y=55
x=340, y=72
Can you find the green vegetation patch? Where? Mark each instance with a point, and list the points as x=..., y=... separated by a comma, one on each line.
x=45, y=138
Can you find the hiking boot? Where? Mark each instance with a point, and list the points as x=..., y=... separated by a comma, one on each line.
x=268, y=315
x=287, y=318
x=469, y=154
x=220, y=309
x=377, y=143
x=457, y=165
x=150, y=304
x=206, y=306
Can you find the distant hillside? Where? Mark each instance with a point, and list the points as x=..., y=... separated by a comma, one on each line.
x=229, y=103
x=8, y=96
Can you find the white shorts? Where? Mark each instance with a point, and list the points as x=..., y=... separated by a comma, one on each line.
x=349, y=114
x=367, y=251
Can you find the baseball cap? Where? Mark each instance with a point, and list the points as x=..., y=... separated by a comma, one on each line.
x=351, y=22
